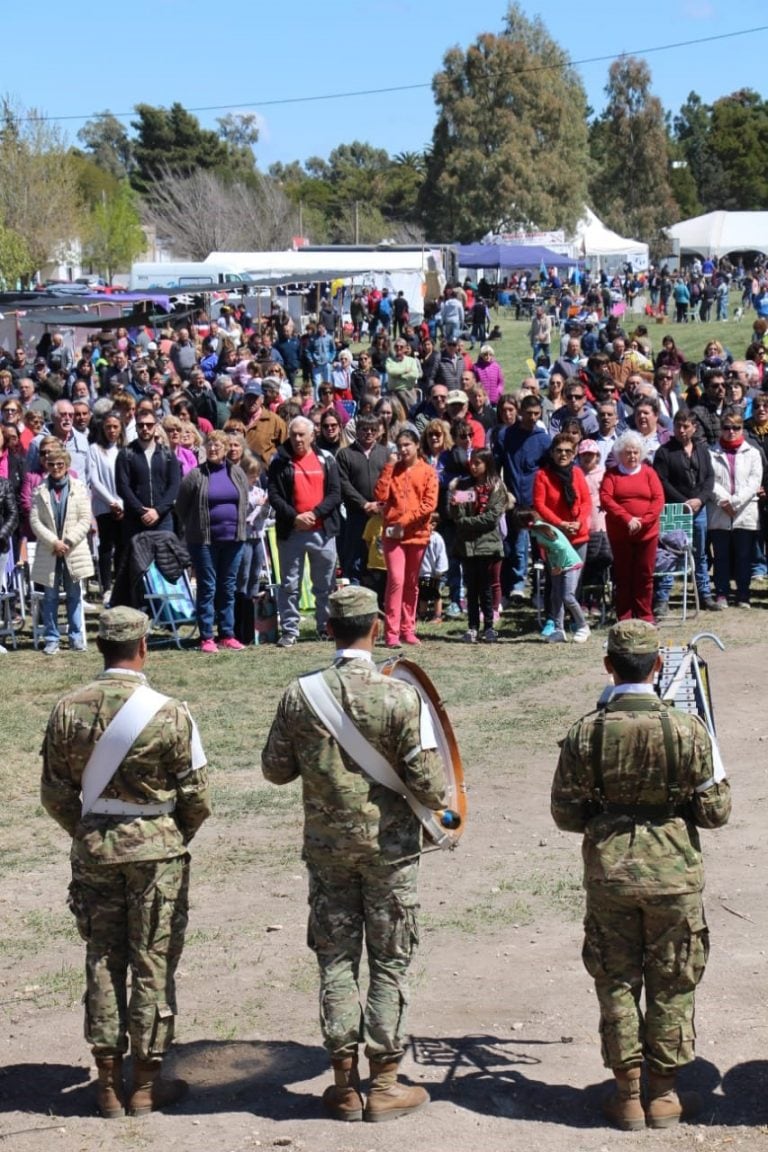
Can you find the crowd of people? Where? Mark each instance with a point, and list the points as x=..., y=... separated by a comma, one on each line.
x=410, y=467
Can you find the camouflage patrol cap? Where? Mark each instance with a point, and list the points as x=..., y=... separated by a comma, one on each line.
x=352, y=601
x=119, y=624
x=633, y=638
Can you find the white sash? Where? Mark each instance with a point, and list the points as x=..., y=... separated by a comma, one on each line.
x=116, y=741
x=329, y=712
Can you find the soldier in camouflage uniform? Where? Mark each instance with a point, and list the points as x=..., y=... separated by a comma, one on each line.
x=361, y=847
x=637, y=778
x=130, y=864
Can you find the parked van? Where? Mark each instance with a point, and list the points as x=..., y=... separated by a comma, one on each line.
x=182, y=277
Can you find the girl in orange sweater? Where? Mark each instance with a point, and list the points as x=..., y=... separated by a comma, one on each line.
x=407, y=491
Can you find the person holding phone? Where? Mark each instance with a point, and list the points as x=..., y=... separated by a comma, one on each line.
x=407, y=489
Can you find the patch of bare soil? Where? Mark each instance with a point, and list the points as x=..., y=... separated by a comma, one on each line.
x=503, y=1017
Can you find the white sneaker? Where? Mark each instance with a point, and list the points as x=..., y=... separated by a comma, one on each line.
x=3, y=651
x=581, y=635
x=556, y=637
x=470, y=636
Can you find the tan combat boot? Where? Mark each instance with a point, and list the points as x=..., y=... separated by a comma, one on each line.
x=342, y=1099
x=664, y=1105
x=386, y=1098
x=149, y=1093
x=625, y=1108
x=110, y=1094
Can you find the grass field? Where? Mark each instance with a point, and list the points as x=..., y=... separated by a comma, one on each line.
x=513, y=349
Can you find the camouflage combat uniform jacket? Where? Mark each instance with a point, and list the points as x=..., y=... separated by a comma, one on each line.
x=349, y=818
x=638, y=816
x=156, y=770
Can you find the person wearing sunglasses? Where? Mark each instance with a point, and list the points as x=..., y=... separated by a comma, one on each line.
x=61, y=519
x=147, y=478
x=733, y=512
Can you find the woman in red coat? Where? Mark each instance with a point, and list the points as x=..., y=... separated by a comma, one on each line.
x=561, y=497
x=632, y=498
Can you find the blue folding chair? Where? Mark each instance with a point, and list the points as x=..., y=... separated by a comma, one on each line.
x=171, y=607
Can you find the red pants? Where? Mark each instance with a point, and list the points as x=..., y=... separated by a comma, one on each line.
x=633, y=565
x=402, y=594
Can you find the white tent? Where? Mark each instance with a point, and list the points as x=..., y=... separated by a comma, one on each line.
x=720, y=233
x=398, y=270
x=597, y=242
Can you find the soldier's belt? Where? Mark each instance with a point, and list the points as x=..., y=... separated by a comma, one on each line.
x=106, y=807
x=644, y=812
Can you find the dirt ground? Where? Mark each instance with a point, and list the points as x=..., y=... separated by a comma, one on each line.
x=503, y=1020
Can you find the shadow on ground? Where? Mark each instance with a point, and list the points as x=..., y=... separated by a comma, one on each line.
x=489, y=1075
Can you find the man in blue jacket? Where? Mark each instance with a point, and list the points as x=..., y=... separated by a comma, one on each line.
x=519, y=452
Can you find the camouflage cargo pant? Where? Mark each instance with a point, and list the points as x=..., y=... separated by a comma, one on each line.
x=378, y=907
x=661, y=943
x=132, y=918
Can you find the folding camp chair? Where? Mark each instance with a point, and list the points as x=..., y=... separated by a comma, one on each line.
x=171, y=607
x=679, y=518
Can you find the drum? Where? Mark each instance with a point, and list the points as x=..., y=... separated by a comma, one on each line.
x=453, y=817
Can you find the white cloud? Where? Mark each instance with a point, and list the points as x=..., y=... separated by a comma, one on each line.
x=699, y=10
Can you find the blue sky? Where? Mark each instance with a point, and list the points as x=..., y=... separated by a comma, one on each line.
x=89, y=57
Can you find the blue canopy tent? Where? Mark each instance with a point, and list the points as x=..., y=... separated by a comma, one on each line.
x=500, y=256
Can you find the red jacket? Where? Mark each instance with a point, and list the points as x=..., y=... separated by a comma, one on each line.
x=550, y=505
x=624, y=497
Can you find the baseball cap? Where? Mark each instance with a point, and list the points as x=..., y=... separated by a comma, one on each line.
x=123, y=623
x=588, y=446
x=353, y=601
x=253, y=390
x=456, y=396
x=633, y=638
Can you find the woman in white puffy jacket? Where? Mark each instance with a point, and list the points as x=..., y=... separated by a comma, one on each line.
x=732, y=514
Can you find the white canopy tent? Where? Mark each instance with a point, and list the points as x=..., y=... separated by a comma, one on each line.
x=603, y=246
x=719, y=234
x=405, y=271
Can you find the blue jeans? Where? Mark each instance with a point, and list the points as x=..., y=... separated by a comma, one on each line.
x=321, y=374
x=353, y=549
x=321, y=551
x=514, y=569
x=216, y=567
x=564, y=588
x=663, y=584
x=732, y=551
x=74, y=599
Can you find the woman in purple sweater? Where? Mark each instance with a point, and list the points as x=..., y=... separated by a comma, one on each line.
x=213, y=504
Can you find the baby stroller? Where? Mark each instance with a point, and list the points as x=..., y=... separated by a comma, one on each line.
x=597, y=579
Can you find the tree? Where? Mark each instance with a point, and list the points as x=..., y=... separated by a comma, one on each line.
x=204, y=212
x=737, y=146
x=630, y=186
x=14, y=258
x=171, y=139
x=691, y=128
x=358, y=191
x=39, y=198
x=108, y=144
x=113, y=236
x=510, y=144
x=240, y=133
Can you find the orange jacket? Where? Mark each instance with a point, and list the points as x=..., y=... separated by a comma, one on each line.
x=409, y=496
